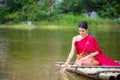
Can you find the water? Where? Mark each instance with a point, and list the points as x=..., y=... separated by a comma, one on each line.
x=30, y=54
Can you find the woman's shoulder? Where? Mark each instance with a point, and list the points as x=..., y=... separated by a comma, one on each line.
x=76, y=38
x=92, y=37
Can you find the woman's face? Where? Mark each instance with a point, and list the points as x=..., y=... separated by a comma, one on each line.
x=83, y=32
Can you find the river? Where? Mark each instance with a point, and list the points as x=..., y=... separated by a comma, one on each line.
x=30, y=54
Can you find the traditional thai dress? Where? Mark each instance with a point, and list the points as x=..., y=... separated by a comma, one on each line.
x=88, y=45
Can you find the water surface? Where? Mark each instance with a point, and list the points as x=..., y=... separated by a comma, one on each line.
x=30, y=54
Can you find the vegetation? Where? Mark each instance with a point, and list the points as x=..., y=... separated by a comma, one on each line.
x=68, y=22
x=65, y=12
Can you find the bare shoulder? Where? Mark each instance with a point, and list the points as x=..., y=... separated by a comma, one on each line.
x=76, y=38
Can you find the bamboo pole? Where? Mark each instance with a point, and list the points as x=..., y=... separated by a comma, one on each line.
x=107, y=75
x=96, y=72
x=118, y=77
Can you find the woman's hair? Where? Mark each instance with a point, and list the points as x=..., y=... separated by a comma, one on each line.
x=83, y=24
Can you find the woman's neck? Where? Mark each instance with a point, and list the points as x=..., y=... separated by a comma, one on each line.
x=84, y=36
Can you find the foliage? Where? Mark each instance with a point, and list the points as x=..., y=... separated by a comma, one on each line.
x=3, y=13
x=109, y=8
x=33, y=13
x=73, y=20
x=77, y=6
x=105, y=8
x=24, y=10
x=69, y=19
x=39, y=10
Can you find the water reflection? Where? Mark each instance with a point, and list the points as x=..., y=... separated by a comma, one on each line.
x=3, y=58
x=109, y=42
x=30, y=55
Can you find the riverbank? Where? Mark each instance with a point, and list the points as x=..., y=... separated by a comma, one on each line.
x=92, y=27
x=67, y=22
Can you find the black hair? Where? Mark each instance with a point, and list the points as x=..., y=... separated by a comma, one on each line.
x=83, y=24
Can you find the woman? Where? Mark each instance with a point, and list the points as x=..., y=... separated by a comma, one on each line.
x=88, y=51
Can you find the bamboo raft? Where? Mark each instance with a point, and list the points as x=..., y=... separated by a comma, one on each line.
x=96, y=72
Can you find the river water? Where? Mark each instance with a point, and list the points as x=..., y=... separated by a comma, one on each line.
x=30, y=54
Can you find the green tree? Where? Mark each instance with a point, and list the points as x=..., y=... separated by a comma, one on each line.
x=37, y=10
x=105, y=8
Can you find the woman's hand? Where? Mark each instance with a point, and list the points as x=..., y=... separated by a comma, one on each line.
x=63, y=68
x=86, y=57
x=80, y=61
x=90, y=55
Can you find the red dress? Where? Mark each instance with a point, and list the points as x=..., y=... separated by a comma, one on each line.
x=89, y=44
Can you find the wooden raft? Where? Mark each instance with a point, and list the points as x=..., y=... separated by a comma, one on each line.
x=96, y=72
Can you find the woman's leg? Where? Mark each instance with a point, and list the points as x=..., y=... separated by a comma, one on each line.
x=95, y=63
x=91, y=61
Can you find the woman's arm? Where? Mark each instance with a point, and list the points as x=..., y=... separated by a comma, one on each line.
x=91, y=55
x=71, y=54
x=69, y=57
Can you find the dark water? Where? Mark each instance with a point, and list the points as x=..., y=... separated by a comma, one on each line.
x=30, y=54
